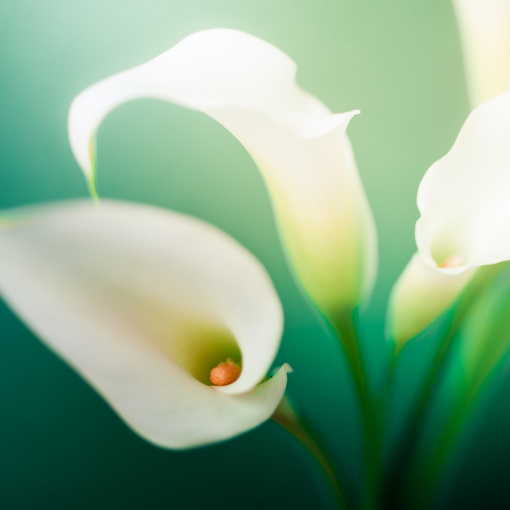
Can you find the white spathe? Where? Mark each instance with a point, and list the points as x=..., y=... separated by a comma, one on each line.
x=143, y=303
x=421, y=294
x=300, y=147
x=485, y=33
x=465, y=219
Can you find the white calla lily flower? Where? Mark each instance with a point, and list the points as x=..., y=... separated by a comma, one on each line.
x=465, y=220
x=143, y=303
x=485, y=33
x=300, y=147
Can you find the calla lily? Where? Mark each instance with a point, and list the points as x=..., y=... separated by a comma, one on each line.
x=300, y=147
x=485, y=32
x=464, y=222
x=143, y=303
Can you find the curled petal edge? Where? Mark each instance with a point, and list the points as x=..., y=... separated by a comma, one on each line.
x=108, y=289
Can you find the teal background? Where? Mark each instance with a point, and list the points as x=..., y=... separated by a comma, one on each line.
x=399, y=62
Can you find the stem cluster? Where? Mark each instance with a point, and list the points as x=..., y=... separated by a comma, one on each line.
x=406, y=480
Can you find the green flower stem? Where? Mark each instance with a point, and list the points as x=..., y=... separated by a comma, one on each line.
x=399, y=472
x=450, y=437
x=441, y=454
x=286, y=416
x=371, y=410
x=468, y=399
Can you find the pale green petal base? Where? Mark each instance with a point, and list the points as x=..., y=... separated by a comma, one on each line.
x=143, y=303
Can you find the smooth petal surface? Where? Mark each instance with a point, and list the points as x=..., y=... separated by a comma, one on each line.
x=464, y=197
x=420, y=296
x=143, y=303
x=464, y=222
x=301, y=149
x=485, y=32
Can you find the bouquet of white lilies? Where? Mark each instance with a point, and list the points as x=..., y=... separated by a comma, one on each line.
x=176, y=325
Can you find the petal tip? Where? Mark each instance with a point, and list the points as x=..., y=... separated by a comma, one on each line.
x=287, y=368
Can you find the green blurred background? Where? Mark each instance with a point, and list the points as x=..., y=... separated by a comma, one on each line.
x=399, y=62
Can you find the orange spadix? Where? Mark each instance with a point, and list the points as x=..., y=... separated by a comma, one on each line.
x=225, y=373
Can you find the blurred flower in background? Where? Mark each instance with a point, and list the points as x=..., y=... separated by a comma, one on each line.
x=465, y=217
x=301, y=149
x=485, y=30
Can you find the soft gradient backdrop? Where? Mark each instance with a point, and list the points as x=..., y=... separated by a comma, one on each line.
x=397, y=61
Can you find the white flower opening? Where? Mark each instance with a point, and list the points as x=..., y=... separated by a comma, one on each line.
x=143, y=303
x=300, y=147
x=465, y=219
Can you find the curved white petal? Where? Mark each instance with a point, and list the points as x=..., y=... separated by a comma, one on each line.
x=485, y=32
x=464, y=197
x=301, y=149
x=421, y=295
x=143, y=303
x=465, y=219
